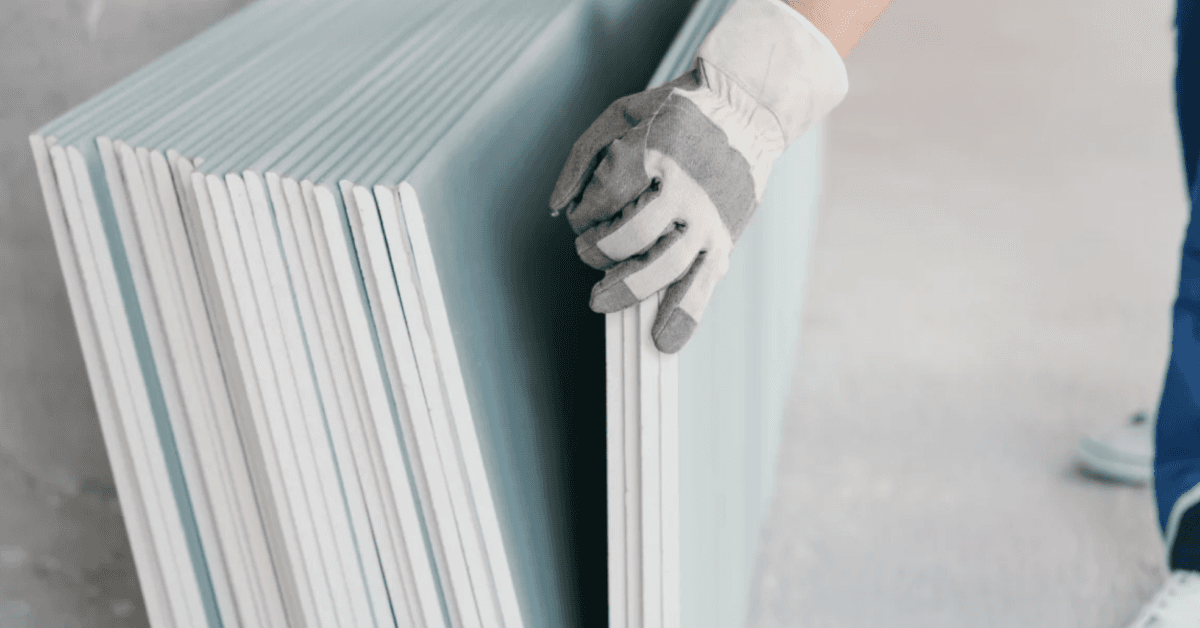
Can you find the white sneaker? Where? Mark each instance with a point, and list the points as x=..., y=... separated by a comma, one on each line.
x=1125, y=454
x=1177, y=604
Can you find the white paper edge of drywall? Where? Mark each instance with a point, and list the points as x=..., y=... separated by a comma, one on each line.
x=233, y=351
x=249, y=530
x=193, y=420
x=460, y=410
x=285, y=232
x=419, y=566
x=138, y=418
x=158, y=607
x=417, y=432
x=651, y=422
x=335, y=395
x=284, y=401
x=615, y=465
x=398, y=257
x=243, y=543
x=346, y=584
x=301, y=543
x=131, y=205
x=669, y=476
x=389, y=539
x=633, y=467
x=396, y=493
x=657, y=588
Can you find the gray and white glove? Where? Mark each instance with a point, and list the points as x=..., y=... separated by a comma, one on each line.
x=661, y=185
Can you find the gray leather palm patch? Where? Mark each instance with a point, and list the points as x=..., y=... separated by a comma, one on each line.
x=608, y=183
x=682, y=131
x=607, y=160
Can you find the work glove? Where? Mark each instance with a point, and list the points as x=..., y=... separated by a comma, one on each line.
x=661, y=185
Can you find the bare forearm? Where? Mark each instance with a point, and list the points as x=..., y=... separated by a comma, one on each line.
x=844, y=22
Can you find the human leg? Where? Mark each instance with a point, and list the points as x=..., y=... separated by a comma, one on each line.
x=1177, y=433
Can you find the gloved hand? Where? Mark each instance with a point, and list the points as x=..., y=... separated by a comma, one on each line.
x=661, y=185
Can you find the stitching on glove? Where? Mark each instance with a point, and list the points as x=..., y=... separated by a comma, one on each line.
x=702, y=63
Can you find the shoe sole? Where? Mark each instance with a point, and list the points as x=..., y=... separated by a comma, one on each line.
x=1119, y=470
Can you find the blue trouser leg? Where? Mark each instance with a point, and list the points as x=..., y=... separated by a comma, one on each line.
x=1177, y=434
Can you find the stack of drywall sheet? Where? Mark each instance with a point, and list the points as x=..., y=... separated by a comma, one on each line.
x=693, y=437
x=323, y=405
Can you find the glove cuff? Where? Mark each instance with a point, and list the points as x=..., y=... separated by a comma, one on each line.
x=780, y=59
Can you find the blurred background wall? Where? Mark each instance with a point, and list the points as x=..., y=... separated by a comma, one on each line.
x=995, y=264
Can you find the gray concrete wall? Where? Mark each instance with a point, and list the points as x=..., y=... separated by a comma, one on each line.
x=64, y=558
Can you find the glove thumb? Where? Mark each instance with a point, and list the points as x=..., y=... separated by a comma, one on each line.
x=684, y=302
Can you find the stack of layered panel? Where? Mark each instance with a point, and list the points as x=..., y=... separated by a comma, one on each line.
x=693, y=437
x=306, y=257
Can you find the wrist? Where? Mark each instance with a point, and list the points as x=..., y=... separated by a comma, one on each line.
x=843, y=22
x=781, y=59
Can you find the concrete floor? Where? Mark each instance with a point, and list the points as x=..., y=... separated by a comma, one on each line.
x=995, y=265
x=994, y=269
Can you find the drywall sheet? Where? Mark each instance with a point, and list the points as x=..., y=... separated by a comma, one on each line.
x=693, y=438
x=531, y=351
x=287, y=130
x=734, y=382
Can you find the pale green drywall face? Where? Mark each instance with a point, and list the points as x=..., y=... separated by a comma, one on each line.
x=734, y=380
x=532, y=352
x=735, y=376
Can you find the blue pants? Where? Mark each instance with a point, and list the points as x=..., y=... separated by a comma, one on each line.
x=1177, y=435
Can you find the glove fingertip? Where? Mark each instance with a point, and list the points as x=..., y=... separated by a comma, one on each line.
x=563, y=196
x=613, y=297
x=557, y=209
x=672, y=330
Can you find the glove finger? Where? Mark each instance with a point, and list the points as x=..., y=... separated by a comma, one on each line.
x=637, y=278
x=617, y=120
x=636, y=228
x=684, y=302
x=620, y=178
x=587, y=152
